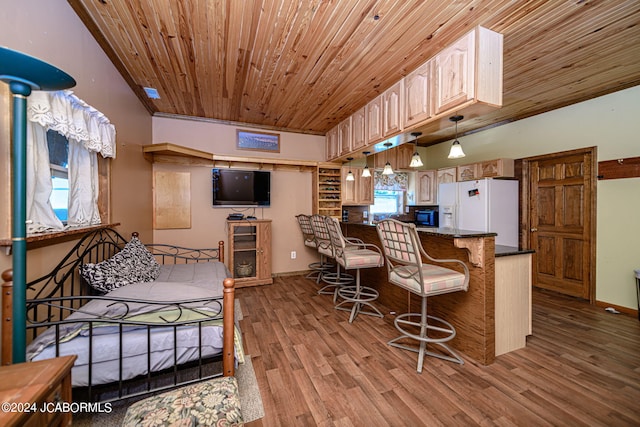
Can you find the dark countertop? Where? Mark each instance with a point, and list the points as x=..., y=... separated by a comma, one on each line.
x=456, y=233
x=502, y=250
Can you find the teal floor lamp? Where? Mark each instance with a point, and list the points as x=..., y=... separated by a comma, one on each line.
x=23, y=73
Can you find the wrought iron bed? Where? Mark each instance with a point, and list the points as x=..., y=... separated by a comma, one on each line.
x=62, y=308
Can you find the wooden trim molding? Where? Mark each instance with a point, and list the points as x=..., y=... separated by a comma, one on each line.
x=620, y=168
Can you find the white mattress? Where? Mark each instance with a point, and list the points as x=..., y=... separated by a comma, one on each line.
x=175, y=283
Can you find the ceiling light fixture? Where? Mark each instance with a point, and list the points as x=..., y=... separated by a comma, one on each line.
x=456, y=149
x=416, y=161
x=350, y=176
x=387, y=167
x=366, y=173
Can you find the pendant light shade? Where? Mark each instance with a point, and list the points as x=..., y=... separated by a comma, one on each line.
x=366, y=173
x=387, y=167
x=416, y=161
x=350, y=176
x=456, y=149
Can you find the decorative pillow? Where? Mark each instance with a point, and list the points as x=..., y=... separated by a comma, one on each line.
x=133, y=264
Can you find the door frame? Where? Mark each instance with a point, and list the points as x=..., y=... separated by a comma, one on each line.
x=525, y=208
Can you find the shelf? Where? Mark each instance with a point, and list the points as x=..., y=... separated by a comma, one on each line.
x=167, y=152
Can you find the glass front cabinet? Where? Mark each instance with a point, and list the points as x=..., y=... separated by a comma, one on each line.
x=250, y=252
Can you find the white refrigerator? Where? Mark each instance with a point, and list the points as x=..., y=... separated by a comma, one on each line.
x=487, y=205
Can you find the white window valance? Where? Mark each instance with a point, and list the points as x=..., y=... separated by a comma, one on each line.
x=70, y=116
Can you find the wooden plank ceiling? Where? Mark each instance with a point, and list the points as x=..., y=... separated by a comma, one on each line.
x=303, y=66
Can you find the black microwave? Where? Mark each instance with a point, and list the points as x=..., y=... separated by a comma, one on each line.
x=427, y=217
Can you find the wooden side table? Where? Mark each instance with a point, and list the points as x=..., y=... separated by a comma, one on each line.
x=34, y=385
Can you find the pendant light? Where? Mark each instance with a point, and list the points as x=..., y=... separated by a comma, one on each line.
x=387, y=167
x=366, y=173
x=416, y=161
x=350, y=176
x=456, y=149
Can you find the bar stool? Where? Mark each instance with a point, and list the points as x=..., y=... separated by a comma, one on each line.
x=404, y=256
x=355, y=256
x=320, y=267
x=334, y=280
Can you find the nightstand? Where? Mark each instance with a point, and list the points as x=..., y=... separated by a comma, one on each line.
x=36, y=384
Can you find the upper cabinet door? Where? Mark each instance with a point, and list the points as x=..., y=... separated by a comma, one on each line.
x=374, y=120
x=392, y=103
x=333, y=150
x=453, y=72
x=344, y=136
x=359, y=129
x=417, y=96
x=426, y=187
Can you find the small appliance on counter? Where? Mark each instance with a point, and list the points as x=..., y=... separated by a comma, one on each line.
x=427, y=217
x=345, y=215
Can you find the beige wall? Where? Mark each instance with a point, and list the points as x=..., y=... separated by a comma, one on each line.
x=50, y=30
x=609, y=123
x=290, y=190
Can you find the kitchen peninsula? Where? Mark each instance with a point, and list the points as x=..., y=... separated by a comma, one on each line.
x=494, y=316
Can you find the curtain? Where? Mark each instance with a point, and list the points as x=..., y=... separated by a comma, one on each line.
x=398, y=181
x=89, y=132
x=40, y=215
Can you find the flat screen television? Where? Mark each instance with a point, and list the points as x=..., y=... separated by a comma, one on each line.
x=240, y=188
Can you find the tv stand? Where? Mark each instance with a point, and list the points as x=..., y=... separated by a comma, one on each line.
x=250, y=252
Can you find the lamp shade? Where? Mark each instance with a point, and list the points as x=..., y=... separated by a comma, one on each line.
x=350, y=176
x=416, y=161
x=456, y=150
x=366, y=173
x=387, y=169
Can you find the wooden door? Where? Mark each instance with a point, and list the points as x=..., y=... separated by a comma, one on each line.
x=561, y=221
x=453, y=71
x=416, y=95
x=333, y=148
x=426, y=187
x=365, y=188
x=359, y=128
x=344, y=136
x=374, y=120
x=348, y=187
x=392, y=110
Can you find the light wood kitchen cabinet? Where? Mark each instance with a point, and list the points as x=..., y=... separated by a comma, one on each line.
x=392, y=100
x=333, y=148
x=344, y=136
x=468, y=172
x=250, y=252
x=404, y=153
x=487, y=169
x=446, y=175
x=468, y=70
x=374, y=120
x=496, y=168
x=359, y=129
x=453, y=73
x=417, y=95
x=358, y=192
x=426, y=187
x=389, y=155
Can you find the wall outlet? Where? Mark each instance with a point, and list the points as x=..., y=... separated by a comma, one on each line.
x=293, y=254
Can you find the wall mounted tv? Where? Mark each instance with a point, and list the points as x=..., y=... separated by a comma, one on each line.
x=240, y=188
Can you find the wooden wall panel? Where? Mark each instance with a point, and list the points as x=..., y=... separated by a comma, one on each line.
x=171, y=200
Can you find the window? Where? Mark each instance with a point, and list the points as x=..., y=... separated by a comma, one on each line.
x=388, y=202
x=59, y=165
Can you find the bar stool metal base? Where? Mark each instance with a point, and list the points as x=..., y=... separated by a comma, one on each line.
x=318, y=269
x=334, y=281
x=439, y=325
x=360, y=297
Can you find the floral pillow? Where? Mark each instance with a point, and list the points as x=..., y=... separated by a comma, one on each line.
x=133, y=264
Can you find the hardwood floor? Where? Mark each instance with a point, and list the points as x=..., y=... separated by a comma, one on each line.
x=581, y=367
